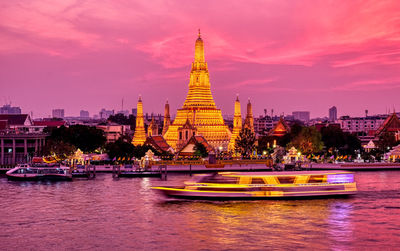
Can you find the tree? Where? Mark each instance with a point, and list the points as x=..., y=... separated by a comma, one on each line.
x=140, y=150
x=86, y=138
x=245, y=142
x=308, y=141
x=295, y=130
x=335, y=139
x=60, y=149
x=386, y=140
x=120, y=149
x=200, y=150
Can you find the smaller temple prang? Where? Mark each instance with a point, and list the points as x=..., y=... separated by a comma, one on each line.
x=249, y=121
x=167, y=118
x=237, y=125
x=139, y=136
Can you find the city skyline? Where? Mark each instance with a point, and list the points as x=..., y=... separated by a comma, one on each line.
x=309, y=57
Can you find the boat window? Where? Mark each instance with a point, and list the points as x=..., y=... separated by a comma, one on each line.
x=219, y=179
x=316, y=179
x=257, y=181
x=286, y=179
x=29, y=170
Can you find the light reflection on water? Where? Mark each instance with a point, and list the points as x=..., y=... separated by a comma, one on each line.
x=126, y=214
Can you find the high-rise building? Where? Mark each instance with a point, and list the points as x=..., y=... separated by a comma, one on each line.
x=8, y=109
x=134, y=112
x=84, y=114
x=167, y=119
x=104, y=114
x=139, y=137
x=303, y=116
x=237, y=125
x=332, y=114
x=199, y=107
x=58, y=113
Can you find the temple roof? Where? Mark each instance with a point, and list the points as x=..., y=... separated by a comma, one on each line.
x=280, y=129
x=188, y=125
x=185, y=150
x=16, y=119
x=391, y=124
x=50, y=123
x=158, y=142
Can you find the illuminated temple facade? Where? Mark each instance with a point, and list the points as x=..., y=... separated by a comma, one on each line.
x=140, y=134
x=199, y=109
x=237, y=125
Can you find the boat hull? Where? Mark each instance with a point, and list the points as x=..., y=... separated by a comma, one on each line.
x=53, y=177
x=182, y=193
x=134, y=174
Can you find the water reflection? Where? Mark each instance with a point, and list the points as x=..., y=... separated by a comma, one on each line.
x=340, y=227
x=126, y=214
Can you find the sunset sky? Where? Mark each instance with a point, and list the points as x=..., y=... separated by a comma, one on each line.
x=284, y=55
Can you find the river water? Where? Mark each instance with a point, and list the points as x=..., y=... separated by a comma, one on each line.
x=125, y=214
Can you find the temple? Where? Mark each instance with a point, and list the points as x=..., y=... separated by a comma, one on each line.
x=199, y=110
x=167, y=118
x=152, y=129
x=140, y=134
x=280, y=129
x=237, y=125
x=391, y=125
x=249, y=121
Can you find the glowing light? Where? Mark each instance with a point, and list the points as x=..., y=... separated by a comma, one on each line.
x=199, y=107
x=140, y=134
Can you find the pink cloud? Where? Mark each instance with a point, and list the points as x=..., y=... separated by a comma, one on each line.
x=292, y=48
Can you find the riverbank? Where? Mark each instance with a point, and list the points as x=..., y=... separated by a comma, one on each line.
x=248, y=166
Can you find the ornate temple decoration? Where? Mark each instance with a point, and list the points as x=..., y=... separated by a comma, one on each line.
x=237, y=125
x=249, y=121
x=280, y=129
x=140, y=134
x=199, y=107
x=391, y=125
x=152, y=129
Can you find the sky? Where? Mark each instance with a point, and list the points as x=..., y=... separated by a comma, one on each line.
x=293, y=55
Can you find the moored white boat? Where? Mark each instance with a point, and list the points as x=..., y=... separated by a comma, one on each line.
x=39, y=172
x=264, y=185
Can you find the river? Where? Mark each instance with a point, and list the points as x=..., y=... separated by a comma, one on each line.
x=125, y=214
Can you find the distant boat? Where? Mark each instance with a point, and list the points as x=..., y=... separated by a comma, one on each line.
x=39, y=172
x=264, y=185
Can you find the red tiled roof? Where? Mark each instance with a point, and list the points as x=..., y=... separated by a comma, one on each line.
x=158, y=142
x=197, y=139
x=50, y=123
x=391, y=124
x=280, y=129
x=14, y=119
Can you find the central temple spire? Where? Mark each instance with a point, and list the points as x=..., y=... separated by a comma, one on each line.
x=199, y=50
x=199, y=108
x=199, y=94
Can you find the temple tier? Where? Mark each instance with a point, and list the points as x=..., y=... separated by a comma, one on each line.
x=199, y=108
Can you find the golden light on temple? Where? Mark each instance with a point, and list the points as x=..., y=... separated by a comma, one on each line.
x=167, y=118
x=199, y=107
x=237, y=125
x=249, y=121
x=140, y=134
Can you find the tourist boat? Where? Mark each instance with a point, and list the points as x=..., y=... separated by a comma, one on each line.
x=39, y=172
x=264, y=185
